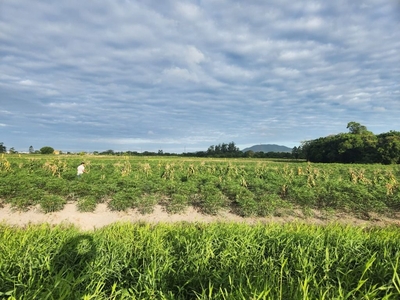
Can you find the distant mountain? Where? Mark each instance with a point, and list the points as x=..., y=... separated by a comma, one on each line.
x=267, y=148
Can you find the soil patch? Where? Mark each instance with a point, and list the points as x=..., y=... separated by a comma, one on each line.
x=102, y=216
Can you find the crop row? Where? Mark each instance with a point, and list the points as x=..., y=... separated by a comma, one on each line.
x=246, y=187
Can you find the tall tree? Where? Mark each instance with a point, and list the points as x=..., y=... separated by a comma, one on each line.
x=356, y=128
x=388, y=147
x=3, y=148
x=31, y=150
x=232, y=148
x=12, y=150
x=211, y=150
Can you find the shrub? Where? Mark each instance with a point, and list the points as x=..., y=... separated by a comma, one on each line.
x=46, y=150
x=87, y=204
x=177, y=203
x=121, y=201
x=211, y=199
x=50, y=203
x=246, y=205
x=145, y=203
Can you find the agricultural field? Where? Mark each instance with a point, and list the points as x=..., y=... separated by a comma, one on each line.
x=186, y=260
x=245, y=187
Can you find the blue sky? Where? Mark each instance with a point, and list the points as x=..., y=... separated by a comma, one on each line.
x=180, y=76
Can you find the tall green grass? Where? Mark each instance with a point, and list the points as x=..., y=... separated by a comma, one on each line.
x=200, y=261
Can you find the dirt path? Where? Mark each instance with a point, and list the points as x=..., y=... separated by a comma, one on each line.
x=102, y=216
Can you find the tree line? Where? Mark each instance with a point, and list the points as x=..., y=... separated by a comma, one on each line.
x=357, y=146
x=222, y=150
x=43, y=150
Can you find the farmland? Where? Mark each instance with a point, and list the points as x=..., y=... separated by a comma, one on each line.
x=192, y=260
x=245, y=187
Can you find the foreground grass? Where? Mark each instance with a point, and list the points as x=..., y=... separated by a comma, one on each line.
x=200, y=261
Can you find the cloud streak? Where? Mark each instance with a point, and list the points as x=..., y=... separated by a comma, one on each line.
x=84, y=76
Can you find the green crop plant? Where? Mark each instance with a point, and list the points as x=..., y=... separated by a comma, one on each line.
x=145, y=168
x=51, y=203
x=210, y=199
x=120, y=201
x=56, y=167
x=168, y=172
x=269, y=204
x=177, y=203
x=145, y=203
x=5, y=165
x=87, y=204
x=245, y=203
x=359, y=189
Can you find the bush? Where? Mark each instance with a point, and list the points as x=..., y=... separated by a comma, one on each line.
x=46, y=150
x=145, y=203
x=121, y=201
x=87, y=204
x=50, y=203
x=177, y=203
x=246, y=204
x=211, y=199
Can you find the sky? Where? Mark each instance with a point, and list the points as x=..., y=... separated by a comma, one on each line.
x=180, y=76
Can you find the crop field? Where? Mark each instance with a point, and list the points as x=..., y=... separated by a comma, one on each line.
x=244, y=186
x=192, y=260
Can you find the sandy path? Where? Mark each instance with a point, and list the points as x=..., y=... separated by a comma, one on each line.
x=102, y=216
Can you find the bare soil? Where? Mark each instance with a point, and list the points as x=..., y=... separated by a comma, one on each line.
x=102, y=216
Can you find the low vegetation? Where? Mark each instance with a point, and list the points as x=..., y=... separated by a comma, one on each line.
x=199, y=261
x=247, y=187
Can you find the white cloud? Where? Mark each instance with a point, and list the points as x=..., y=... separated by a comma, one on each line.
x=27, y=82
x=177, y=73
x=188, y=10
x=196, y=73
x=64, y=105
x=193, y=55
x=295, y=55
x=286, y=72
x=379, y=108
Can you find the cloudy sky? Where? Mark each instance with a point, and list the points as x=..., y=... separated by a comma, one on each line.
x=179, y=76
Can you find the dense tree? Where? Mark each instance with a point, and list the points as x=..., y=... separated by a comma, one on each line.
x=356, y=128
x=388, y=147
x=357, y=146
x=12, y=150
x=3, y=148
x=46, y=150
x=211, y=150
x=296, y=152
x=224, y=150
x=232, y=148
x=249, y=153
x=107, y=152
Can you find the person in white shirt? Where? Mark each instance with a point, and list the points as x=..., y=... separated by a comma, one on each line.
x=81, y=169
